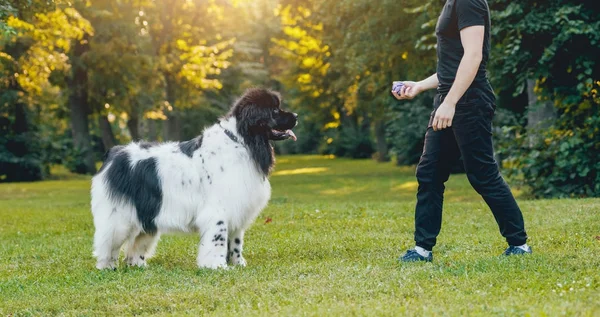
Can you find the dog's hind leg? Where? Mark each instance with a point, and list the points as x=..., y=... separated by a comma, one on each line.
x=236, y=242
x=213, y=245
x=111, y=232
x=141, y=249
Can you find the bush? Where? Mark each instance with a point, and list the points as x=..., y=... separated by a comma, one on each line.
x=562, y=163
x=20, y=155
x=406, y=128
x=20, y=159
x=309, y=140
x=349, y=141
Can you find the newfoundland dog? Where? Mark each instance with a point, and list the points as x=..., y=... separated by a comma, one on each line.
x=215, y=184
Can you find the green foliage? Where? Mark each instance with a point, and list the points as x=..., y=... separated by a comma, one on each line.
x=557, y=43
x=342, y=65
x=311, y=139
x=407, y=127
x=6, y=10
x=20, y=157
x=562, y=163
x=20, y=149
x=350, y=142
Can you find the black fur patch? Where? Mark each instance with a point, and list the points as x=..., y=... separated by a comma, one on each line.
x=140, y=186
x=237, y=241
x=189, y=147
x=220, y=223
x=110, y=155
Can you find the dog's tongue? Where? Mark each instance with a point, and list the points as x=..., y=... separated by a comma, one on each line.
x=292, y=134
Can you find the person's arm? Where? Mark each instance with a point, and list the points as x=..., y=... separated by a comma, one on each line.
x=411, y=88
x=472, y=41
x=430, y=82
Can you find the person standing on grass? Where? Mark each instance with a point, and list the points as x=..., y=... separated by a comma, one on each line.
x=460, y=124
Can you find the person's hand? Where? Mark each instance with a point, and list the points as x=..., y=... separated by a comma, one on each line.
x=443, y=116
x=408, y=91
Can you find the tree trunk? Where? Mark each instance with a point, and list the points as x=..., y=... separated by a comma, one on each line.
x=172, y=124
x=133, y=126
x=382, y=146
x=151, y=130
x=540, y=114
x=108, y=137
x=106, y=132
x=20, y=124
x=78, y=106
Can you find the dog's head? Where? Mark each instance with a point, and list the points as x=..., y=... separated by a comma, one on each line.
x=258, y=113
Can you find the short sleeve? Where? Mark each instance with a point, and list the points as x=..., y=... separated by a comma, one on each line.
x=471, y=12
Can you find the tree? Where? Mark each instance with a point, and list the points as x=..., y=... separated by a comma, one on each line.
x=345, y=63
x=35, y=49
x=189, y=52
x=553, y=46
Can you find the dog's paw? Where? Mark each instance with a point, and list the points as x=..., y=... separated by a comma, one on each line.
x=211, y=264
x=138, y=261
x=106, y=265
x=240, y=261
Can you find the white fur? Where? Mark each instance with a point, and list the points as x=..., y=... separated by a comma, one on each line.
x=236, y=193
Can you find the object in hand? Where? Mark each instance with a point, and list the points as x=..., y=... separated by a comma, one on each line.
x=397, y=86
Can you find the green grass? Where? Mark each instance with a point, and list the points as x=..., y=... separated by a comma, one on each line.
x=337, y=228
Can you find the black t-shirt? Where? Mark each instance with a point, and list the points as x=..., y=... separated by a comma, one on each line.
x=457, y=15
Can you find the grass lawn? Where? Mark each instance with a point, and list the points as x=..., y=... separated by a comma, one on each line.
x=326, y=245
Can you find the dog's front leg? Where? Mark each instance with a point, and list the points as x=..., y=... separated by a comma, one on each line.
x=213, y=246
x=236, y=241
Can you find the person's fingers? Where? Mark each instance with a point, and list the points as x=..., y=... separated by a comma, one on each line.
x=441, y=123
x=450, y=122
x=434, y=124
x=396, y=95
x=402, y=91
x=444, y=123
x=410, y=92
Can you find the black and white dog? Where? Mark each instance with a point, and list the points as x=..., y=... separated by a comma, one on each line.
x=215, y=184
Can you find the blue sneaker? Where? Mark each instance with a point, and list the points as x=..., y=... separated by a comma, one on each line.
x=413, y=256
x=513, y=250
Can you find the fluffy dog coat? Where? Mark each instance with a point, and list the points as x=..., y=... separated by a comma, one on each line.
x=215, y=184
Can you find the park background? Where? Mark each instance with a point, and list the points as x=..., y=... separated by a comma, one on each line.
x=79, y=76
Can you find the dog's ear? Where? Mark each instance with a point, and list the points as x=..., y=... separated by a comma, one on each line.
x=252, y=119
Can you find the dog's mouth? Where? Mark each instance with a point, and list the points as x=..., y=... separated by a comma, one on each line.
x=278, y=135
